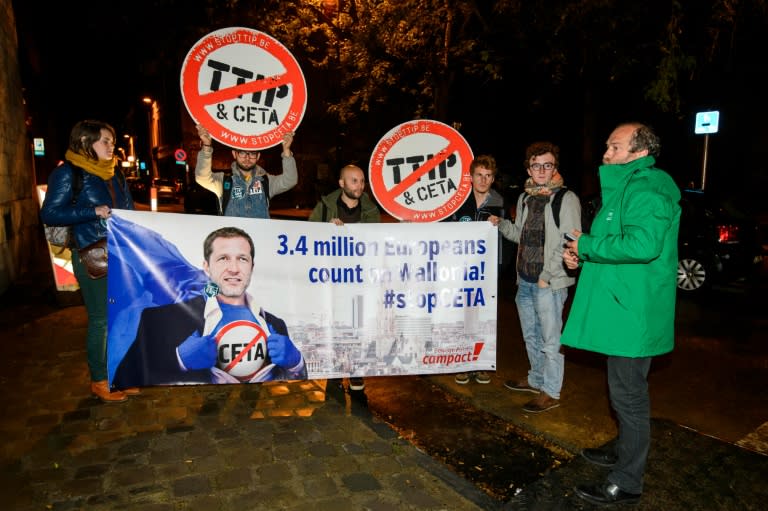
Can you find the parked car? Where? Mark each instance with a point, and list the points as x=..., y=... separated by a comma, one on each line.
x=139, y=188
x=718, y=244
x=167, y=189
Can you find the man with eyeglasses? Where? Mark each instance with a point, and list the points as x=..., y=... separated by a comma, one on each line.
x=481, y=204
x=247, y=192
x=542, y=279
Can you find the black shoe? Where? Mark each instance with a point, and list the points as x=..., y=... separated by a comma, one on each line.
x=600, y=457
x=604, y=494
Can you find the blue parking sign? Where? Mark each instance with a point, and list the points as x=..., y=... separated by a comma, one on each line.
x=706, y=122
x=39, y=145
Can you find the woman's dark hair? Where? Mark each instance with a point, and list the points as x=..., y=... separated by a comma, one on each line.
x=85, y=133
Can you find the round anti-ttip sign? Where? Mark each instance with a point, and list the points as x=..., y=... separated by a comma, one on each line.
x=244, y=87
x=419, y=171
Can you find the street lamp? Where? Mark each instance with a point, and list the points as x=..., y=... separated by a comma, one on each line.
x=129, y=160
x=131, y=150
x=153, y=118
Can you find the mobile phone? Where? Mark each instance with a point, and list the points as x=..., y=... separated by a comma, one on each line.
x=570, y=237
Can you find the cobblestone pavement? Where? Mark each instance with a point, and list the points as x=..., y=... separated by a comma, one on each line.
x=278, y=446
x=215, y=447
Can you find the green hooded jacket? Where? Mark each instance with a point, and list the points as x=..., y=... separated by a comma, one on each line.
x=369, y=213
x=625, y=297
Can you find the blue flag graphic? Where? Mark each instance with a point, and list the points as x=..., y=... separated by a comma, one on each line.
x=145, y=270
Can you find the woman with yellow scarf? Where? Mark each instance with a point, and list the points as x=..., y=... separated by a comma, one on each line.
x=81, y=193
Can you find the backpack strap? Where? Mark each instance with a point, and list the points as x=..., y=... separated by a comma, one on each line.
x=77, y=181
x=265, y=185
x=556, y=201
x=226, y=193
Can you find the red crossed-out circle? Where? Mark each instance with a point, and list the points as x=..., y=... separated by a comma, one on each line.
x=419, y=171
x=220, y=80
x=252, y=334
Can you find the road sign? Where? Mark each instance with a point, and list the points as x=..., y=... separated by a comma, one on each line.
x=419, y=171
x=706, y=122
x=180, y=155
x=244, y=87
x=39, y=146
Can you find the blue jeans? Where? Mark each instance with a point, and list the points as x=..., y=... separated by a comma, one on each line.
x=628, y=390
x=541, y=320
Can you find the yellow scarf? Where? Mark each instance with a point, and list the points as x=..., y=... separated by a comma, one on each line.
x=104, y=169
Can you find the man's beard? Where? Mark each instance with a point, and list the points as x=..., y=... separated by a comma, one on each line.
x=246, y=169
x=350, y=195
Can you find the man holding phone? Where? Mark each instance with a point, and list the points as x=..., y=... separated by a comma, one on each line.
x=624, y=306
x=542, y=279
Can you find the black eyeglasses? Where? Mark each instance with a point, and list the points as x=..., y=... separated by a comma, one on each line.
x=540, y=166
x=249, y=154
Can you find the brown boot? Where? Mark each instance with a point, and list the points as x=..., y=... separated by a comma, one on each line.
x=100, y=389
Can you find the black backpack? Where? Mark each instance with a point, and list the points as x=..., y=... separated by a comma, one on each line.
x=227, y=191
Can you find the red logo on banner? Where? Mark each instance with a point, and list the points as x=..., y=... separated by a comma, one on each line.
x=245, y=87
x=419, y=171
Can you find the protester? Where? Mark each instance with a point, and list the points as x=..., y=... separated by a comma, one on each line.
x=81, y=193
x=177, y=343
x=624, y=305
x=546, y=210
x=349, y=204
x=247, y=191
x=481, y=204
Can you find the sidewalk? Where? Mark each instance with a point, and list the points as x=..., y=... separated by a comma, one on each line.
x=289, y=446
x=226, y=447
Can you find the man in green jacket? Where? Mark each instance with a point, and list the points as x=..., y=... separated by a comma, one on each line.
x=349, y=204
x=624, y=304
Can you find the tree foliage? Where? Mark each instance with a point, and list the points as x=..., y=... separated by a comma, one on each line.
x=400, y=59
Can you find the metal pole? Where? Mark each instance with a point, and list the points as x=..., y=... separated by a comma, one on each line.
x=704, y=165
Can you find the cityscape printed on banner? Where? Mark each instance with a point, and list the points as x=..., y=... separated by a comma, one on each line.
x=394, y=342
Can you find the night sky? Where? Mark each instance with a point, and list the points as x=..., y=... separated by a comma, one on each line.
x=89, y=59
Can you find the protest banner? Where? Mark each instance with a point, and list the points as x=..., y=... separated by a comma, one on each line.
x=356, y=300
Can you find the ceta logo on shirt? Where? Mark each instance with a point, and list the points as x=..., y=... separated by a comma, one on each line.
x=242, y=349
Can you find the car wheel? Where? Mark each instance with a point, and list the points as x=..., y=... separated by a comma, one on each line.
x=691, y=274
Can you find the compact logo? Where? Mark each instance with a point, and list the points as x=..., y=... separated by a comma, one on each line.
x=449, y=356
